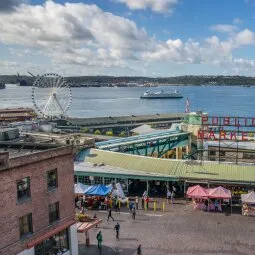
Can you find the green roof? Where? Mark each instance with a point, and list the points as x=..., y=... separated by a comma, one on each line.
x=172, y=168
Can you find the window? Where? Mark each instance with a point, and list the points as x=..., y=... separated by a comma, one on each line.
x=57, y=244
x=84, y=180
x=222, y=153
x=75, y=179
x=23, y=189
x=108, y=180
x=212, y=153
x=25, y=225
x=248, y=155
x=53, y=212
x=52, y=180
x=98, y=180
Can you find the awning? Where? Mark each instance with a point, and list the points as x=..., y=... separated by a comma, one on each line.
x=50, y=233
x=85, y=226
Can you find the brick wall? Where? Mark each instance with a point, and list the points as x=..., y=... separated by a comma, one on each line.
x=40, y=197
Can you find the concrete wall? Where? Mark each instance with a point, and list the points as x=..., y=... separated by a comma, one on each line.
x=34, y=166
x=27, y=252
x=73, y=240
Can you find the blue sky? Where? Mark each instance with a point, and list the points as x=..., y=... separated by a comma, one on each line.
x=128, y=37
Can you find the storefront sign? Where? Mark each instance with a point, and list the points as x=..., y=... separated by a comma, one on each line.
x=227, y=128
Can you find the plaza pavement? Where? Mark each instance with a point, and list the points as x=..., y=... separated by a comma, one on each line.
x=178, y=230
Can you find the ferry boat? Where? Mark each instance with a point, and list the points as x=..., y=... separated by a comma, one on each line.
x=161, y=95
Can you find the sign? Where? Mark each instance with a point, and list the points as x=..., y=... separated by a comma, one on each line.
x=227, y=128
x=228, y=121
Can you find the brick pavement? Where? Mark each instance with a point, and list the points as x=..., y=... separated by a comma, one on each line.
x=176, y=231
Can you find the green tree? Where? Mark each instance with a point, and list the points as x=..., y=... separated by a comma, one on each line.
x=122, y=134
x=97, y=132
x=84, y=130
x=109, y=133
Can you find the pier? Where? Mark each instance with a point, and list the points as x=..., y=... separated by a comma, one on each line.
x=120, y=123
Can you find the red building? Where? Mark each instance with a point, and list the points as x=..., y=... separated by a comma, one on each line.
x=37, y=213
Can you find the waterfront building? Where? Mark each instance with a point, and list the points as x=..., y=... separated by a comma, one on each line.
x=16, y=114
x=37, y=200
x=100, y=166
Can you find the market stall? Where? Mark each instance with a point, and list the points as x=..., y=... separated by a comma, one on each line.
x=248, y=204
x=85, y=223
x=96, y=196
x=216, y=195
x=199, y=197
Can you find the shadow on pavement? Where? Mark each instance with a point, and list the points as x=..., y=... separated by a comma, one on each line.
x=93, y=250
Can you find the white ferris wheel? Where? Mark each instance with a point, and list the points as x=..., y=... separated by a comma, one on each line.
x=51, y=95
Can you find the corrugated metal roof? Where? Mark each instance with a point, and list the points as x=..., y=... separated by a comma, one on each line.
x=175, y=168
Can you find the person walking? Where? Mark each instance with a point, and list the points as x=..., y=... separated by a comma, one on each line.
x=142, y=203
x=110, y=214
x=99, y=239
x=136, y=202
x=133, y=213
x=172, y=198
x=139, y=249
x=168, y=195
x=117, y=229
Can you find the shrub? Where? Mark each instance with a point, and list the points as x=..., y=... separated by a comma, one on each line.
x=122, y=134
x=84, y=130
x=109, y=133
x=97, y=132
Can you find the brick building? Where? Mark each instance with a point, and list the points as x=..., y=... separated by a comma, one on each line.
x=37, y=200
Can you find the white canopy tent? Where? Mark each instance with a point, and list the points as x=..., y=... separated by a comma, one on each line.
x=80, y=188
x=248, y=198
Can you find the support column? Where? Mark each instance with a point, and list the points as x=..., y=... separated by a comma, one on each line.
x=180, y=151
x=187, y=149
x=147, y=186
x=176, y=153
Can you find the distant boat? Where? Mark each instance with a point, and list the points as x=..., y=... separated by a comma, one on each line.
x=161, y=95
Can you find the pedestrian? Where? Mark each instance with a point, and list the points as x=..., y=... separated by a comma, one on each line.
x=110, y=214
x=133, y=213
x=146, y=200
x=172, y=198
x=136, y=202
x=99, y=239
x=143, y=203
x=117, y=229
x=95, y=217
x=139, y=249
x=216, y=205
x=168, y=195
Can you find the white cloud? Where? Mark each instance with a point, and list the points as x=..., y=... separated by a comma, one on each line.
x=245, y=37
x=224, y=28
x=74, y=33
x=83, y=37
x=237, y=21
x=163, y=6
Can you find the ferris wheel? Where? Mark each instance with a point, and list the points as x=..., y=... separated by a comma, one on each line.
x=51, y=95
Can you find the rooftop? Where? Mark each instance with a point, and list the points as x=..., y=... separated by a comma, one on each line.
x=183, y=169
x=19, y=149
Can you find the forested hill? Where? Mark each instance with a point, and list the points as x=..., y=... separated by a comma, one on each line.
x=179, y=80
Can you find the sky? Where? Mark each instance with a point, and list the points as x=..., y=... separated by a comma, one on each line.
x=155, y=38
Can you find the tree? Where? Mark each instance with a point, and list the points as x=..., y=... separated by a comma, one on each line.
x=122, y=134
x=84, y=130
x=97, y=132
x=109, y=133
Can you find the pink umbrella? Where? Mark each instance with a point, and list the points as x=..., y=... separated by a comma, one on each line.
x=197, y=192
x=219, y=192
